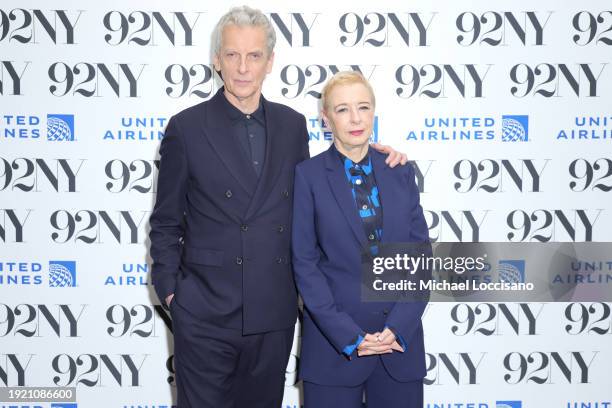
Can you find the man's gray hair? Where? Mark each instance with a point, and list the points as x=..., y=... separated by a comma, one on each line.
x=244, y=16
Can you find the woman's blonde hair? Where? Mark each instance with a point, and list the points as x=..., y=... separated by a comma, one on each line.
x=344, y=78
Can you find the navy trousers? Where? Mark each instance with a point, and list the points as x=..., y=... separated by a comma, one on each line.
x=221, y=368
x=381, y=391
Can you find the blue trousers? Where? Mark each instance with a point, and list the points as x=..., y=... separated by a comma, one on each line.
x=381, y=391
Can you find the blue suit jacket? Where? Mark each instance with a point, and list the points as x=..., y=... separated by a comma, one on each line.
x=327, y=244
x=219, y=235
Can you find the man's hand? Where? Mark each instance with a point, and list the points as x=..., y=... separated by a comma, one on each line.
x=169, y=299
x=394, y=158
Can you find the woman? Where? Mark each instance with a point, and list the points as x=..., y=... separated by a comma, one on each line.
x=346, y=200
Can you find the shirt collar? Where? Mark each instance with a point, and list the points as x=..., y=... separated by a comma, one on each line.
x=346, y=161
x=236, y=116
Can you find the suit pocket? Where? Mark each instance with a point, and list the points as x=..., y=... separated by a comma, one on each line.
x=201, y=256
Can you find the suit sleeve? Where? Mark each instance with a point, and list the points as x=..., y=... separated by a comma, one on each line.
x=338, y=327
x=405, y=316
x=167, y=219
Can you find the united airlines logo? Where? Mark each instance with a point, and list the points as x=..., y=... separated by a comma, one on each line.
x=515, y=128
x=62, y=274
x=60, y=128
x=136, y=129
x=471, y=129
x=483, y=404
x=587, y=128
x=508, y=404
x=511, y=271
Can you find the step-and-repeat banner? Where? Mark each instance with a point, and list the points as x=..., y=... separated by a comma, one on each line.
x=503, y=107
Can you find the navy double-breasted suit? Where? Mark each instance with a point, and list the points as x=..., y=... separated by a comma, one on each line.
x=220, y=241
x=220, y=238
x=328, y=240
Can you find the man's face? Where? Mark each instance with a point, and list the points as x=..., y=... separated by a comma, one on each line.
x=244, y=62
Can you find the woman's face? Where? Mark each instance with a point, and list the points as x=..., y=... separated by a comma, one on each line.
x=350, y=114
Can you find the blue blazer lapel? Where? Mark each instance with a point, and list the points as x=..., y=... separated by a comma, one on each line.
x=341, y=190
x=386, y=190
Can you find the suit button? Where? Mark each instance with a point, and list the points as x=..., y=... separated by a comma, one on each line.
x=279, y=260
x=385, y=312
x=281, y=228
x=285, y=193
x=239, y=260
x=228, y=194
x=244, y=228
x=371, y=237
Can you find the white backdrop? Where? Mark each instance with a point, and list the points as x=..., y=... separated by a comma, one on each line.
x=504, y=107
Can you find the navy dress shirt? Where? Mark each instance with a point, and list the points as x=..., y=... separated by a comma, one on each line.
x=250, y=132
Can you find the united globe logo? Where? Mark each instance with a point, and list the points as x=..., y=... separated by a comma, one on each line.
x=508, y=404
x=62, y=274
x=60, y=128
x=515, y=128
x=511, y=271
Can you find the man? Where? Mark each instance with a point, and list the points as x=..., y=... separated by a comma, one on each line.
x=220, y=229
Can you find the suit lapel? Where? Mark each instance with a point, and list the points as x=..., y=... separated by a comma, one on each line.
x=385, y=194
x=228, y=149
x=341, y=189
x=274, y=157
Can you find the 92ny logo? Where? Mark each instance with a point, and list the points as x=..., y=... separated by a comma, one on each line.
x=449, y=368
x=501, y=28
x=89, y=370
x=595, y=319
x=89, y=80
x=295, y=77
x=138, y=175
x=498, y=176
x=592, y=28
x=37, y=175
x=138, y=320
x=383, y=30
x=11, y=74
x=489, y=319
x=36, y=26
x=593, y=175
x=545, y=225
x=150, y=28
x=40, y=320
x=540, y=367
x=91, y=227
x=195, y=80
x=12, y=223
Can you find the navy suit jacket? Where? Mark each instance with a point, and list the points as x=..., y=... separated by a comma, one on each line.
x=328, y=239
x=220, y=237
